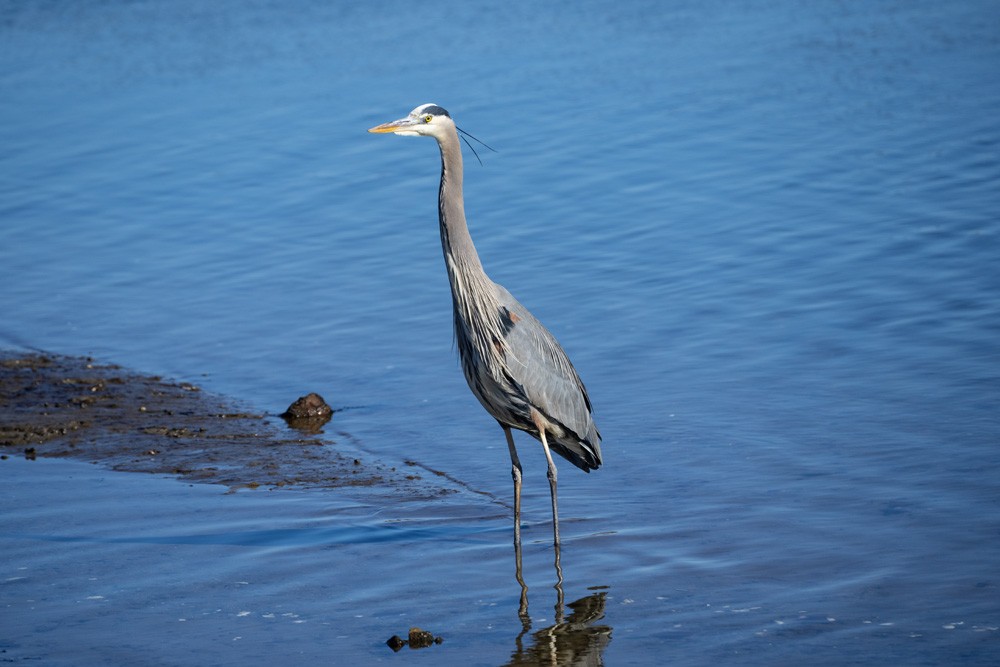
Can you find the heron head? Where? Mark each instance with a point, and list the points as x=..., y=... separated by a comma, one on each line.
x=426, y=120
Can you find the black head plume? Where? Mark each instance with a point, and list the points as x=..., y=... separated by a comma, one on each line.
x=464, y=134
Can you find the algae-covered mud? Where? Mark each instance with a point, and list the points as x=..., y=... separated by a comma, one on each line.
x=62, y=406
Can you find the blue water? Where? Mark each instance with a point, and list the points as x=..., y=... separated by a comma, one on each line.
x=766, y=233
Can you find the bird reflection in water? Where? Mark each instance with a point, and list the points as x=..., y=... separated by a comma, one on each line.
x=572, y=640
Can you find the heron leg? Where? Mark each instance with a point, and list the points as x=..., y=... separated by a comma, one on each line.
x=560, y=596
x=552, y=486
x=515, y=472
x=522, y=610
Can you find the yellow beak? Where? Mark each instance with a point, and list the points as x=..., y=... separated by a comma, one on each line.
x=394, y=126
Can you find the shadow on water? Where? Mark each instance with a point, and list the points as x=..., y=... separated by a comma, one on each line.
x=572, y=640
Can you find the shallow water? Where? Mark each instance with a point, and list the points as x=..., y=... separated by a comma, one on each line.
x=766, y=233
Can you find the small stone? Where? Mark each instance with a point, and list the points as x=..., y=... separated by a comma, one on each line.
x=395, y=643
x=310, y=406
x=420, y=638
x=308, y=413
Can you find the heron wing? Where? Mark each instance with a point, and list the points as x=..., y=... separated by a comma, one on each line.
x=537, y=364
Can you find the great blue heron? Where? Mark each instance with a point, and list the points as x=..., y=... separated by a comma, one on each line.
x=513, y=365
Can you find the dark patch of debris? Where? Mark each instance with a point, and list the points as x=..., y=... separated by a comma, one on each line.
x=60, y=406
x=417, y=638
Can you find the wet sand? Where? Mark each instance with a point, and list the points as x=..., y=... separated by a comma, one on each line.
x=61, y=406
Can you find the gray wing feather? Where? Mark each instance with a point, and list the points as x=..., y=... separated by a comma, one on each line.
x=538, y=364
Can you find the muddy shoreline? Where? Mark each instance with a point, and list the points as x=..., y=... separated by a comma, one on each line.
x=61, y=406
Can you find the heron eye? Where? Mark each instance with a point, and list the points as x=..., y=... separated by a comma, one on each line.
x=428, y=118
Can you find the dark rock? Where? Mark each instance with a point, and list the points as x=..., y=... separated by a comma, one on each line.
x=308, y=413
x=420, y=638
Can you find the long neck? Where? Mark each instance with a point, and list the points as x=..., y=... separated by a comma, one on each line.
x=459, y=253
x=478, y=330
